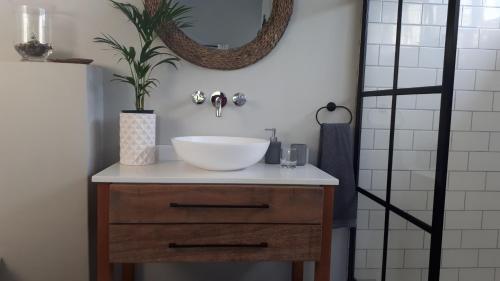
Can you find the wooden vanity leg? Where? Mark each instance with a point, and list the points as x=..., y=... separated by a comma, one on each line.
x=297, y=271
x=104, y=267
x=128, y=272
x=322, y=267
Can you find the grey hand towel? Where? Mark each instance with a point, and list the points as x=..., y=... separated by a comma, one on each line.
x=336, y=158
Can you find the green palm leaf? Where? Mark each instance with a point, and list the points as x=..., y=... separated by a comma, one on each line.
x=142, y=62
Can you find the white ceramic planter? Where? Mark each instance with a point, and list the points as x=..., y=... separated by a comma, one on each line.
x=137, y=138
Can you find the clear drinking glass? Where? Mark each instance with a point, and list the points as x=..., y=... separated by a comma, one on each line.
x=33, y=35
x=288, y=157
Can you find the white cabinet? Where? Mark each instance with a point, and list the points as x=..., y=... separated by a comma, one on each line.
x=50, y=143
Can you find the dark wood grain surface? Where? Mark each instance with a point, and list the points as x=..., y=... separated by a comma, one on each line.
x=297, y=271
x=151, y=243
x=104, y=268
x=131, y=203
x=322, y=267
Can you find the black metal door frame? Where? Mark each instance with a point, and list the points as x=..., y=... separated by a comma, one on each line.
x=446, y=91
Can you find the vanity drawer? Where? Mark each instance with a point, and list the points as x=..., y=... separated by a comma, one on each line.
x=130, y=203
x=213, y=243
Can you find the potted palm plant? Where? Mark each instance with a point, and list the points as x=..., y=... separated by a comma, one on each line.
x=138, y=127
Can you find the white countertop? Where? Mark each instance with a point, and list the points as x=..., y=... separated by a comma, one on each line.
x=181, y=172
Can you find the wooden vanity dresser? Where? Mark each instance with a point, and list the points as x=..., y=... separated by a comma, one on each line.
x=172, y=212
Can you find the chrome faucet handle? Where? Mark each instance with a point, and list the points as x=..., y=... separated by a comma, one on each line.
x=219, y=100
x=220, y=95
x=198, y=97
x=239, y=99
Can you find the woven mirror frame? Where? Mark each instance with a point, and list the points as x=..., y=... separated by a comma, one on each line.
x=230, y=59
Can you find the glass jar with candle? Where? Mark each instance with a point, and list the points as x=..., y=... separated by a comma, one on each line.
x=33, y=41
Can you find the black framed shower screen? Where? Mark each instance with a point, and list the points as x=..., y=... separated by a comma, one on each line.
x=435, y=229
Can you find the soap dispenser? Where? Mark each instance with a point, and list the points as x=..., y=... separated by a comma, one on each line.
x=273, y=154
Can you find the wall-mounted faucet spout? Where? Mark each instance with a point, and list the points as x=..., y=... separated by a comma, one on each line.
x=219, y=100
x=218, y=107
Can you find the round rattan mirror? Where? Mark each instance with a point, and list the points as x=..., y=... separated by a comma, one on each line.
x=227, y=56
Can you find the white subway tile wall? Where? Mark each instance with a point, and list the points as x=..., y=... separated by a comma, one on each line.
x=472, y=219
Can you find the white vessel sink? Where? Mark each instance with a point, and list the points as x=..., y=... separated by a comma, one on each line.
x=220, y=153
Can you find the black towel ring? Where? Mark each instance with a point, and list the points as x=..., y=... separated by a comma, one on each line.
x=331, y=106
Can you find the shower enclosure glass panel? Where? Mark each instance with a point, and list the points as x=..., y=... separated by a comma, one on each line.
x=420, y=50
x=381, y=41
x=375, y=145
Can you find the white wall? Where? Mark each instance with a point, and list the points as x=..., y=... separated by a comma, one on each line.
x=315, y=62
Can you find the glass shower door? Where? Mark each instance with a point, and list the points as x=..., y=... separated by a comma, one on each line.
x=403, y=128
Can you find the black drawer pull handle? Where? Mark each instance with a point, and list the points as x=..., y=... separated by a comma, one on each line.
x=260, y=206
x=187, y=246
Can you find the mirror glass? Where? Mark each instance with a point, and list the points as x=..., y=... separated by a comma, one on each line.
x=226, y=24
